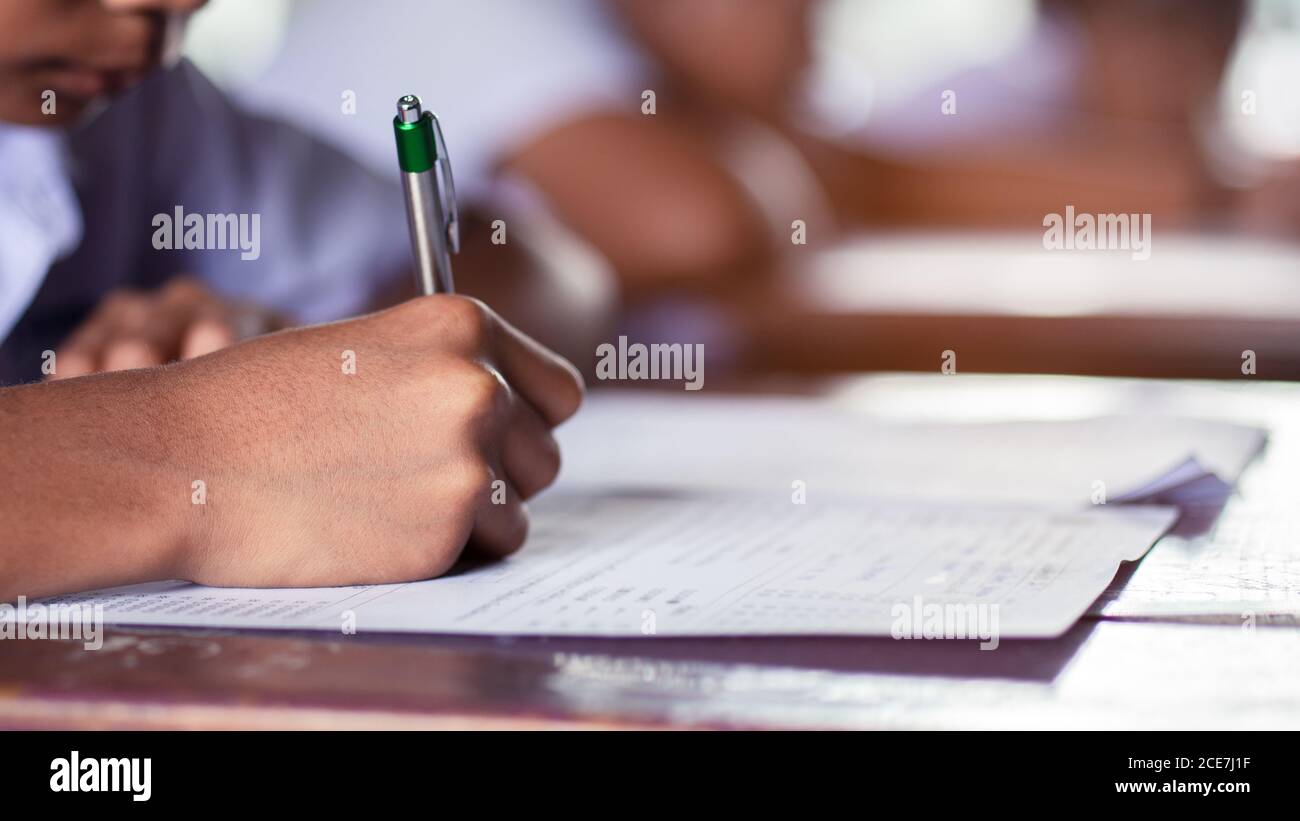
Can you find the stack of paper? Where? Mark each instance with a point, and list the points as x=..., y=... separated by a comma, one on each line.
x=764, y=445
x=696, y=516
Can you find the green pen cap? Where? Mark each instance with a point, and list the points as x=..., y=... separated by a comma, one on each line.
x=413, y=129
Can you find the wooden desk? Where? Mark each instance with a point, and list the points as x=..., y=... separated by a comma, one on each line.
x=1004, y=304
x=1159, y=651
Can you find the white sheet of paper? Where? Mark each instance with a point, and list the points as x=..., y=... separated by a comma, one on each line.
x=628, y=565
x=634, y=439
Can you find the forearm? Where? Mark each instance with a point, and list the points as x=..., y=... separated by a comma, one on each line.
x=93, y=491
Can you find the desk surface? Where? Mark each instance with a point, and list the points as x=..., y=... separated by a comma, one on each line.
x=1171, y=645
x=1006, y=305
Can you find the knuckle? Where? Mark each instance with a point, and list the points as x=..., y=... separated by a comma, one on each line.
x=482, y=395
x=73, y=362
x=133, y=348
x=126, y=308
x=571, y=396
x=467, y=486
x=468, y=320
x=216, y=332
x=549, y=459
x=121, y=299
x=184, y=287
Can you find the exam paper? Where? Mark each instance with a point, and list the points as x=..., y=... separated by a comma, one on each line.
x=611, y=564
x=766, y=445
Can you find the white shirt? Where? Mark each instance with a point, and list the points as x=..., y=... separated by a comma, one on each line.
x=40, y=219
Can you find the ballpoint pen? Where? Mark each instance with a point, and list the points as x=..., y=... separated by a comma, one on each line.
x=426, y=174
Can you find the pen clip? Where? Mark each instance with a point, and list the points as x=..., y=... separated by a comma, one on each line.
x=452, y=228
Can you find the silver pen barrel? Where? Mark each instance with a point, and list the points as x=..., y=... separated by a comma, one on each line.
x=423, y=216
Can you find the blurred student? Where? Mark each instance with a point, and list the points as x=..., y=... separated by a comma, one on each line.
x=1106, y=104
x=364, y=451
x=639, y=124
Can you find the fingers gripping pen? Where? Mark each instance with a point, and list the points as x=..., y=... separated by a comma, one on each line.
x=430, y=194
